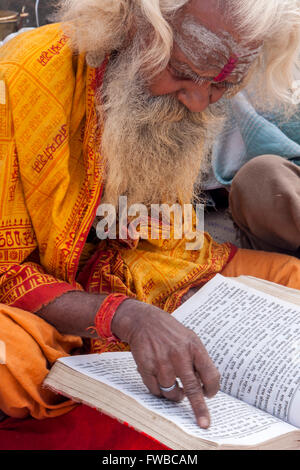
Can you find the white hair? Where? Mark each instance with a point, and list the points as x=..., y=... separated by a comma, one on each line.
x=102, y=26
x=277, y=22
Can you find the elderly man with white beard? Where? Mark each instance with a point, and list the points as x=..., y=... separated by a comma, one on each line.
x=122, y=98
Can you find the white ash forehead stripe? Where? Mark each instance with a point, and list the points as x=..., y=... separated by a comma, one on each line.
x=204, y=36
x=203, y=51
x=198, y=31
x=212, y=44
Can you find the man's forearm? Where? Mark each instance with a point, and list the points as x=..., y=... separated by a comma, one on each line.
x=73, y=313
x=162, y=347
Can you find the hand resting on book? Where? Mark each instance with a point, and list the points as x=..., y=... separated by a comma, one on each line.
x=163, y=350
x=162, y=347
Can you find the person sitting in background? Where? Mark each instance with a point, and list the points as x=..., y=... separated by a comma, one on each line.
x=256, y=160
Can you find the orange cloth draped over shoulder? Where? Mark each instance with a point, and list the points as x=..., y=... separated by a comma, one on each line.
x=51, y=181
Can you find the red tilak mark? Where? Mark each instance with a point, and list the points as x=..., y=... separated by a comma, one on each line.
x=227, y=70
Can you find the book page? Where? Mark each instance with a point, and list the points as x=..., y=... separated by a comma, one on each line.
x=233, y=422
x=281, y=292
x=254, y=341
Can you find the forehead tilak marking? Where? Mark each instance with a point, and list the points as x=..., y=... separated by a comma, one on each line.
x=217, y=47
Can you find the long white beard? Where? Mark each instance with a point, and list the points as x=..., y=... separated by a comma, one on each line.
x=154, y=147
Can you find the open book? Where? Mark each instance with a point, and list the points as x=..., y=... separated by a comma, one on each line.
x=251, y=329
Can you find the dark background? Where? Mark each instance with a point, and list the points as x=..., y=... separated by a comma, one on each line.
x=46, y=7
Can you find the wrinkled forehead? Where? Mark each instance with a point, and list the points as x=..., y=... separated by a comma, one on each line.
x=218, y=49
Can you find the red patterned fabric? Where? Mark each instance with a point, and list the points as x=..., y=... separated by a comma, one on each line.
x=29, y=287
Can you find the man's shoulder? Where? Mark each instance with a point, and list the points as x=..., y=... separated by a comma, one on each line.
x=37, y=48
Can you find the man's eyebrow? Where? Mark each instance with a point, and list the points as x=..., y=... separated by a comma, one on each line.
x=186, y=69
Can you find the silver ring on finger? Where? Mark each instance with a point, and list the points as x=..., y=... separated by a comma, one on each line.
x=168, y=389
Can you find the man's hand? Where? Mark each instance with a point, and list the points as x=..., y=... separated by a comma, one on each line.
x=163, y=350
x=161, y=346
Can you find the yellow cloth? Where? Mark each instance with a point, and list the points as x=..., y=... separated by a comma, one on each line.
x=51, y=172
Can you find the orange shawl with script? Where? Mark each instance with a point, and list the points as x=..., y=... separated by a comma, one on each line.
x=51, y=181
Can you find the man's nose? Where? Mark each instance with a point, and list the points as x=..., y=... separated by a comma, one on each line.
x=198, y=97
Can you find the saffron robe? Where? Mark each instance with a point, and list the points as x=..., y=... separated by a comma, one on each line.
x=51, y=182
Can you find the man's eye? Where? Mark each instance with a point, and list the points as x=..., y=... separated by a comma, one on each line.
x=177, y=74
x=226, y=85
x=200, y=80
x=182, y=76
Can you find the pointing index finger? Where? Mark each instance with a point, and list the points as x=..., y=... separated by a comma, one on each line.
x=194, y=392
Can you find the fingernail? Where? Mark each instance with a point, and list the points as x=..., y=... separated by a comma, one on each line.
x=203, y=422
